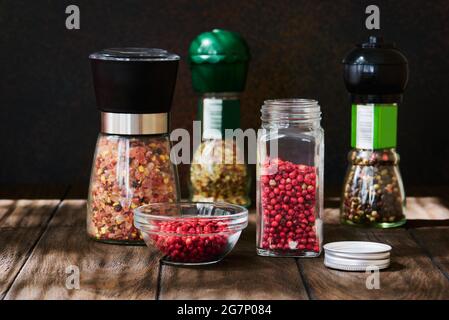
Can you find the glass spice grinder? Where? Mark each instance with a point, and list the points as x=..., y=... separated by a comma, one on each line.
x=134, y=89
x=219, y=63
x=375, y=74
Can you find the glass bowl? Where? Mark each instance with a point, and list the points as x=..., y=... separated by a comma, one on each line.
x=191, y=233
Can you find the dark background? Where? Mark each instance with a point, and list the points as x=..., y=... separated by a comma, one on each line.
x=49, y=123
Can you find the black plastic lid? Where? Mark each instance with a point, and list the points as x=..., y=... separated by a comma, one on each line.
x=376, y=72
x=134, y=80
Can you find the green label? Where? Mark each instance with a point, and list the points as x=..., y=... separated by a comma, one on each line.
x=374, y=126
x=217, y=115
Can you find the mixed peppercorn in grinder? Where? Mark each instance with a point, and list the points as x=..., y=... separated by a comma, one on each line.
x=219, y=63
x=134, y=89
x=375, y=74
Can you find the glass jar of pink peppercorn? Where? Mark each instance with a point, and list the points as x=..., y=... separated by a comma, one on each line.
x=290, y=179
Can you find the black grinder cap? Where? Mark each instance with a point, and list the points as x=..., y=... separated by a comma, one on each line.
x=134, y=80
x=376, y=72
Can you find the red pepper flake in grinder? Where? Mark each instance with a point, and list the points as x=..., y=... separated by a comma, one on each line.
x=132, y=164
x=128, y=172
x=288, y=203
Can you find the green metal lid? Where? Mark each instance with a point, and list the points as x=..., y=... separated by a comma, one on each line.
x=219, y=61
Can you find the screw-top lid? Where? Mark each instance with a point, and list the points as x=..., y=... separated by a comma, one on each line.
x=376, y=72
x=356, y=255
x=219, y=61
x=134, y=80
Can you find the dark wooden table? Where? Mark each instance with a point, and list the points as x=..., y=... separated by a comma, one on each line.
x=42, y=241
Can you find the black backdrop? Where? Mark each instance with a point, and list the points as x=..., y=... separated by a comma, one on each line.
x=49, y=122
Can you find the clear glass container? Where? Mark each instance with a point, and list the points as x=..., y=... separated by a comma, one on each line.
x=217, y=174
x=128, y=172
x=189, y=233
x=373, y=193
x=290, y=179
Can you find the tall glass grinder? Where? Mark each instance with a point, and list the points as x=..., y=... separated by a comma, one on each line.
x=134, y=89
x=375, y=74
x=219, y=63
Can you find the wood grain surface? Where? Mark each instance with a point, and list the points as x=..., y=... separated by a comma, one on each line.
x=21, y=224
x=43, y=241
x=430, y=208
x=412, y=275
x=241, y=275
x=435, y=242
x=106, y=271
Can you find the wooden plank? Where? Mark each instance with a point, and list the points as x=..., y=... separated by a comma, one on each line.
x=418, y=208
x=6, y=208
x=106, y=271
x=110, y=272
x=241, y=275
x=427, y=208
x=21, y=224
x=29, y=213
x=435, y=241
x=331, y=216
x=412, y=274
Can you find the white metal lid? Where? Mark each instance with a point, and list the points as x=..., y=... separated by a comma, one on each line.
x=345, y=265
x=357, y=247
x=356, y=255
x=361, y=256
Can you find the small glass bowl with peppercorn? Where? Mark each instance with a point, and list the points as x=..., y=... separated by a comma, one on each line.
x=191, y=233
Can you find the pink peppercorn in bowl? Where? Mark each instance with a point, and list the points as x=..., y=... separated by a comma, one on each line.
x=191, y=233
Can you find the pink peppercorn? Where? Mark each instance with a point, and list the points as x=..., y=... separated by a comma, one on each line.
x=192, y=248
x=290, y=211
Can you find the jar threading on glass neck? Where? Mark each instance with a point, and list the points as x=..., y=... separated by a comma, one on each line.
x=291, y=112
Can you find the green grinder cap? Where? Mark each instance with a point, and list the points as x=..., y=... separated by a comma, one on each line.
x=219, y=61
